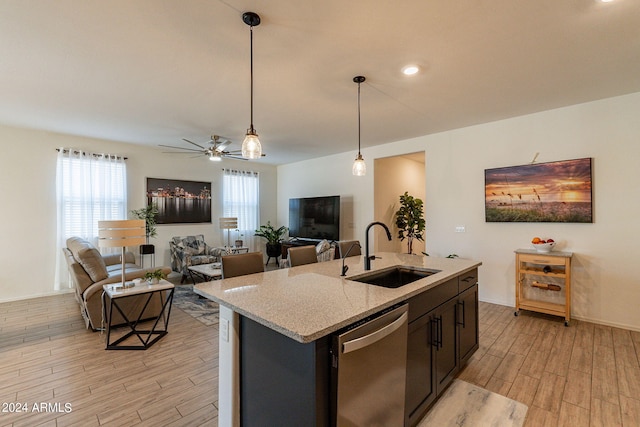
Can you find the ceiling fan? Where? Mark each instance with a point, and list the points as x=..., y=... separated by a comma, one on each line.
x=215, y=151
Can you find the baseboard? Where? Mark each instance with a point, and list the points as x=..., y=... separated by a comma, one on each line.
x=634, y=328
x=47, y=294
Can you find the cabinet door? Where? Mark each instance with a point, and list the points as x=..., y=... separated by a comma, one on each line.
x=446, y=354
x=421, y=390
x=468, y=323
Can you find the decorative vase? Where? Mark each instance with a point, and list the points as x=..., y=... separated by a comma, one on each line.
x=274, y=249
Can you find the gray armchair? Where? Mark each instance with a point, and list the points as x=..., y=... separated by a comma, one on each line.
x=192, y=250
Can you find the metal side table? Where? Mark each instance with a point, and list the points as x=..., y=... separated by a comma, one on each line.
x=146, y=337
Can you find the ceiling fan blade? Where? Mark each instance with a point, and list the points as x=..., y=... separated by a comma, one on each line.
x=177, y=152
x=234, y=157
x=191, y=142
x=222, y=145
x=180, y=148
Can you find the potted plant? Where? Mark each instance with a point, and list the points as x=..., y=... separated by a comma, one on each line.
x=409, y=220
x=154, y=277
x=149, y=214
x=274, y=238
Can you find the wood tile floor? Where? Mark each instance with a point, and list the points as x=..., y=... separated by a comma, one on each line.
x=47, y=356
x=583, y=375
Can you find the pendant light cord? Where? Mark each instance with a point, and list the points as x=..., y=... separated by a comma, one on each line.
x=358, y=118
x=251, y=43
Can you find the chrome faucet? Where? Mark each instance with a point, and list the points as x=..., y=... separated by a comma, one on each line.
x=346, y=267
x=367, y=258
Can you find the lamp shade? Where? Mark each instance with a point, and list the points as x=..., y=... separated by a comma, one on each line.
x=121, y=233
x=228, y=223
x=359, y=166
x=251, y=147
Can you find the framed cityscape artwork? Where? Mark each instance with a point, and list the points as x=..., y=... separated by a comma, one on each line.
x=180, y=201
x=541, y=192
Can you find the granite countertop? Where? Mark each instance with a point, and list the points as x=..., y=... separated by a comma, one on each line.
x=311, y=301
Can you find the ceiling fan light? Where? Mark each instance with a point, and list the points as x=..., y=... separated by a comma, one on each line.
x=251, y=147
x=215, y=157
x=359, y=166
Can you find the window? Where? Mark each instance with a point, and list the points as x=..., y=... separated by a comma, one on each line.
x=240, y=199
x=89, y=188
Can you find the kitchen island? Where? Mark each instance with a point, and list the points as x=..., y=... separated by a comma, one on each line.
x=284, y=319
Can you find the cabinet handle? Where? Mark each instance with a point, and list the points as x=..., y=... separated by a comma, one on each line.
x=466, y=279
x=440, y=331
x=434, y=332
x=461, y=316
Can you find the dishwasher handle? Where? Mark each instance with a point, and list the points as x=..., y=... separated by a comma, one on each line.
x=375, y=336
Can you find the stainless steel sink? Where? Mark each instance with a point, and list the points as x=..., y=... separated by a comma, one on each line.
x=394, y=277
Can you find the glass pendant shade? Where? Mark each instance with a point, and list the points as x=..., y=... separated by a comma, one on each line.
x=359, y=167
x=251, y=147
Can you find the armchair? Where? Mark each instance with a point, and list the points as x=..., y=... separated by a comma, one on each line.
x=192, y=250
x=89, y=271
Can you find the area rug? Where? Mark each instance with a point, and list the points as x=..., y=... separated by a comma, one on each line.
x=201, y=309
x=465, y=404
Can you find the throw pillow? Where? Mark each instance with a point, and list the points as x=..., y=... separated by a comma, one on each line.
x=323, y=246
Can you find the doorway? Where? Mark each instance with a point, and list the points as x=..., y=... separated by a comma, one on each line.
x=392, y=177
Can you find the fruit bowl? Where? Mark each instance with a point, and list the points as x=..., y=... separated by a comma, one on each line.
x=543, y=247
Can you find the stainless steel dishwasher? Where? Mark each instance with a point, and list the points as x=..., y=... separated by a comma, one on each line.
x=369, y=371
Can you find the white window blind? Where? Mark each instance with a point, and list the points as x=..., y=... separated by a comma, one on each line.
x=240, y=199
x=89, y=188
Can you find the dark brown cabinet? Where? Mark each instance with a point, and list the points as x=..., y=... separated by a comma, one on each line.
x=468, y=331
x=446, y=344
x=443, y=335
x=421, y=385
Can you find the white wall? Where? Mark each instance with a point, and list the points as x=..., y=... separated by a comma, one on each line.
x=28, y=214
x=606, y=286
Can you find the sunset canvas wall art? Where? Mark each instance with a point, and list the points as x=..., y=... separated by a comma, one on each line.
x=541, y=192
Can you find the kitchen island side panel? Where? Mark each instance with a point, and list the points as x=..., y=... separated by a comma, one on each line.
x=282, y=381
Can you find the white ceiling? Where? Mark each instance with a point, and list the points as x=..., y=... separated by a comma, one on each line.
x=153, y=72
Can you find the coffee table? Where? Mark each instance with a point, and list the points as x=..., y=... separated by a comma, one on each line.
x=206, y=272
x=146, y=337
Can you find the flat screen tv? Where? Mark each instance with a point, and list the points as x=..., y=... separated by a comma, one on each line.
x=315, y=218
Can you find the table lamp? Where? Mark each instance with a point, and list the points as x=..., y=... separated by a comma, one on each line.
x=121, y=233
x=229, y=223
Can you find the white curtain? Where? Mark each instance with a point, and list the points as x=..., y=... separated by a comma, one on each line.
x=240, y=199
x=90, y=187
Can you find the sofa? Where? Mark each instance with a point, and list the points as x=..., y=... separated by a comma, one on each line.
x=89, y=270
x=192, y=250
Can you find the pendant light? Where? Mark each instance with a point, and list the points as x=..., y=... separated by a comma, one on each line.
x=359, y=167
x=251, y=147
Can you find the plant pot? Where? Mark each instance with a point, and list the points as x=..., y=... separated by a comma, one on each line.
x=274, y=249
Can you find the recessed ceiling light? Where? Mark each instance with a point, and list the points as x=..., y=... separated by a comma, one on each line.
x=410, y=70
x=606, y=1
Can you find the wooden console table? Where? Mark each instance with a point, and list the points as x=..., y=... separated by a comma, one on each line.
x=543, y=282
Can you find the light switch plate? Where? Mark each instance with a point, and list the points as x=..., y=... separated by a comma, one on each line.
x=224, y=329
x=460, y=229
